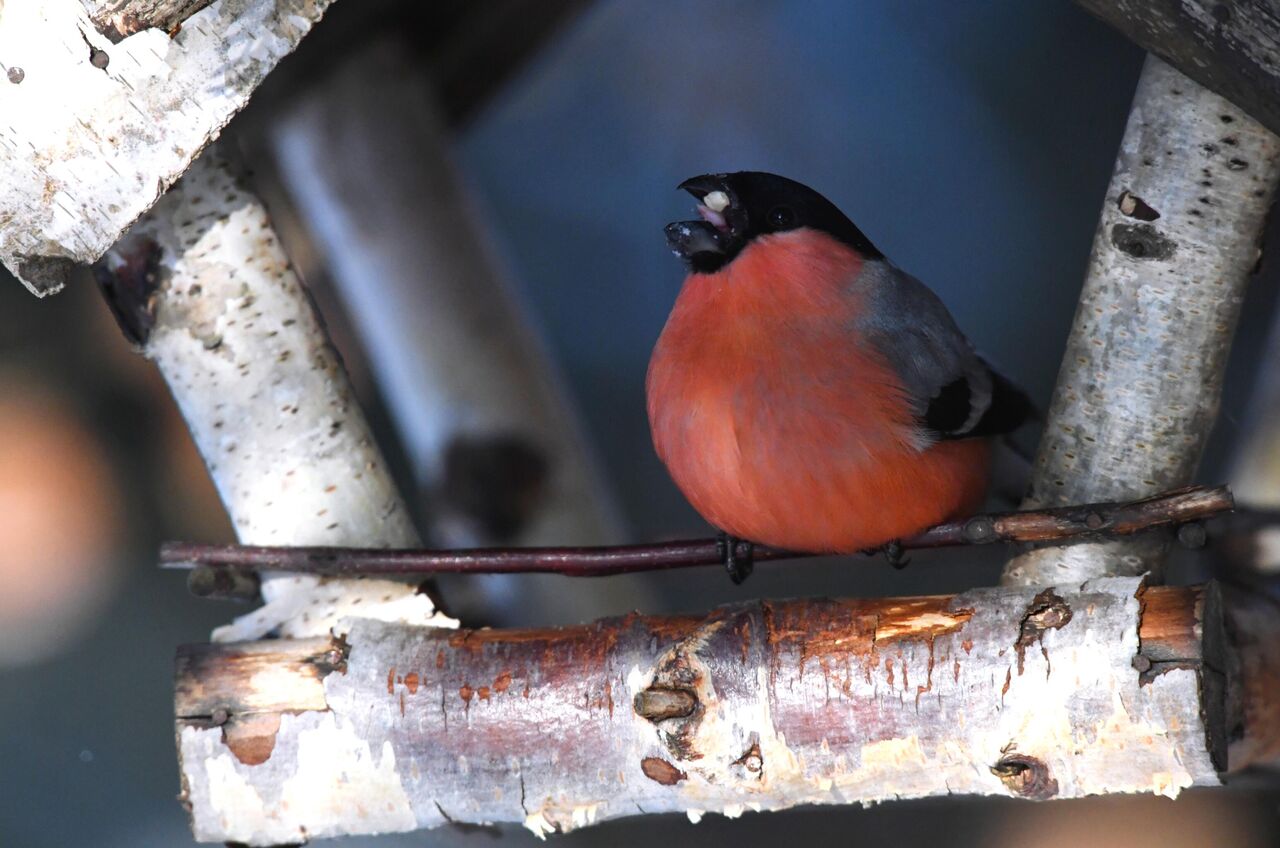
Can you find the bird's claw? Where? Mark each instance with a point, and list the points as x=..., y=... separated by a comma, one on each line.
x=893, y=555
x=738, y=563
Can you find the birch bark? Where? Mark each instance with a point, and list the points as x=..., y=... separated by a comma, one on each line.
x=202, y=284
x=1141, y=377
x=129, y=117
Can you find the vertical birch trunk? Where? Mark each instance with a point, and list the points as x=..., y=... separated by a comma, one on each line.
x=1142, y=373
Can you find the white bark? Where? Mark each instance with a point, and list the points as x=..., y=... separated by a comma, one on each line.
x=461, y=370
x=368, y=161
x=993, y=692
x=266, y=397
x=1141, y=377
x=94, y=132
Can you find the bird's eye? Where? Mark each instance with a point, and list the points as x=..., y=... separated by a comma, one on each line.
x=782, y=218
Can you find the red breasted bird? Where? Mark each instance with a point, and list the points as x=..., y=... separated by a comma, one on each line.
x=805, y=392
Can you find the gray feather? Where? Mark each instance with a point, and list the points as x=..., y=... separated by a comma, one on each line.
x=910, y=326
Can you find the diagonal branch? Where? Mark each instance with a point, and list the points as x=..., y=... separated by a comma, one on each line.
x=1141, y=376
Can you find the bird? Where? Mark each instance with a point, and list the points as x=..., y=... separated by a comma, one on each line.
x=807, y=394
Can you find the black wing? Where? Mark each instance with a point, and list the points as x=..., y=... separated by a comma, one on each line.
x=952, y=408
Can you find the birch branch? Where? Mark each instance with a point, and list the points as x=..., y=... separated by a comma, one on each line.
x=493, y=441
x=1229, y=48
x=203, y=286
x=130, y=117
x=410, y=255
x=1089, y=521
x=1086, y=689
x=1142, y=374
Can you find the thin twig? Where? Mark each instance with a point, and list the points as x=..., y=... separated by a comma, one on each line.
x=1051, y=525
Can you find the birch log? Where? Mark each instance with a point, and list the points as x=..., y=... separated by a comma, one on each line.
x=460, y=367
x=203, y=286
x=1141, y=377
x=1059, y=693
x=129, y=117
x=494, y=443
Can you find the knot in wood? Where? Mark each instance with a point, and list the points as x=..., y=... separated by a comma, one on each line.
x=659, y=704
x=1141, y=241
x=1026, y=777
x=980, y=529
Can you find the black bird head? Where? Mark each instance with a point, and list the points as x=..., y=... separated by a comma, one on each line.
x=735, y=209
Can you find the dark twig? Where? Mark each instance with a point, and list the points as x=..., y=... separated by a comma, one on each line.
x=1052, y=525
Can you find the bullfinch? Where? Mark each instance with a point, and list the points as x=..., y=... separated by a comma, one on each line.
x=806, y=393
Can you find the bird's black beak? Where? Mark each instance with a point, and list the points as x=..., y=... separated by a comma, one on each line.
x=692, y=239
x=707, y=244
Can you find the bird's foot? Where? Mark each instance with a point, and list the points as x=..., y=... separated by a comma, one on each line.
x=893, y=555
x=737, y=555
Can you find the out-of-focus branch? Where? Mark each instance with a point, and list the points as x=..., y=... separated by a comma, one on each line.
x=1090, y=521
x=202, y=285
x=492, y=439
x=1142, y=373
x=760, y=706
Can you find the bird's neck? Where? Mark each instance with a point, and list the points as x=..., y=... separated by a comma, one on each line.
x=778, y=280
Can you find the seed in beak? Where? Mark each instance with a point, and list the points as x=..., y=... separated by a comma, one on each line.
x=716, y=201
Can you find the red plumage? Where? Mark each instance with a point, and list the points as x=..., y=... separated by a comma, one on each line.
x=781, y=420
x=781, y=426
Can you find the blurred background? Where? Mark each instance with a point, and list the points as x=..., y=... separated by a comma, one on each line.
x=528, y=151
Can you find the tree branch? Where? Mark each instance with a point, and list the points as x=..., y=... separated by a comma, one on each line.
x=1141, y=377
x=1064, y=524
x=119, y=19
x=1229, y=48
x=758, y=706
x=202, y=285
x=130, y=117
x=492, y=440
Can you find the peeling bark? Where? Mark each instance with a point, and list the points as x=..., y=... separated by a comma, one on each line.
x=130, y=117
x=1142, y=374
x=759, y=706
x=218, y=309
x=119, y=19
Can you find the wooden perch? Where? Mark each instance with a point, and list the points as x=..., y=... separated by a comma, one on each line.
x=1088, y=521
x=1101, y=687
x=1229, y=48
x=1141, y=377
x=129, y=116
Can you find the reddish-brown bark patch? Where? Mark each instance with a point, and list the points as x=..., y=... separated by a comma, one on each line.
x=661, y=771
